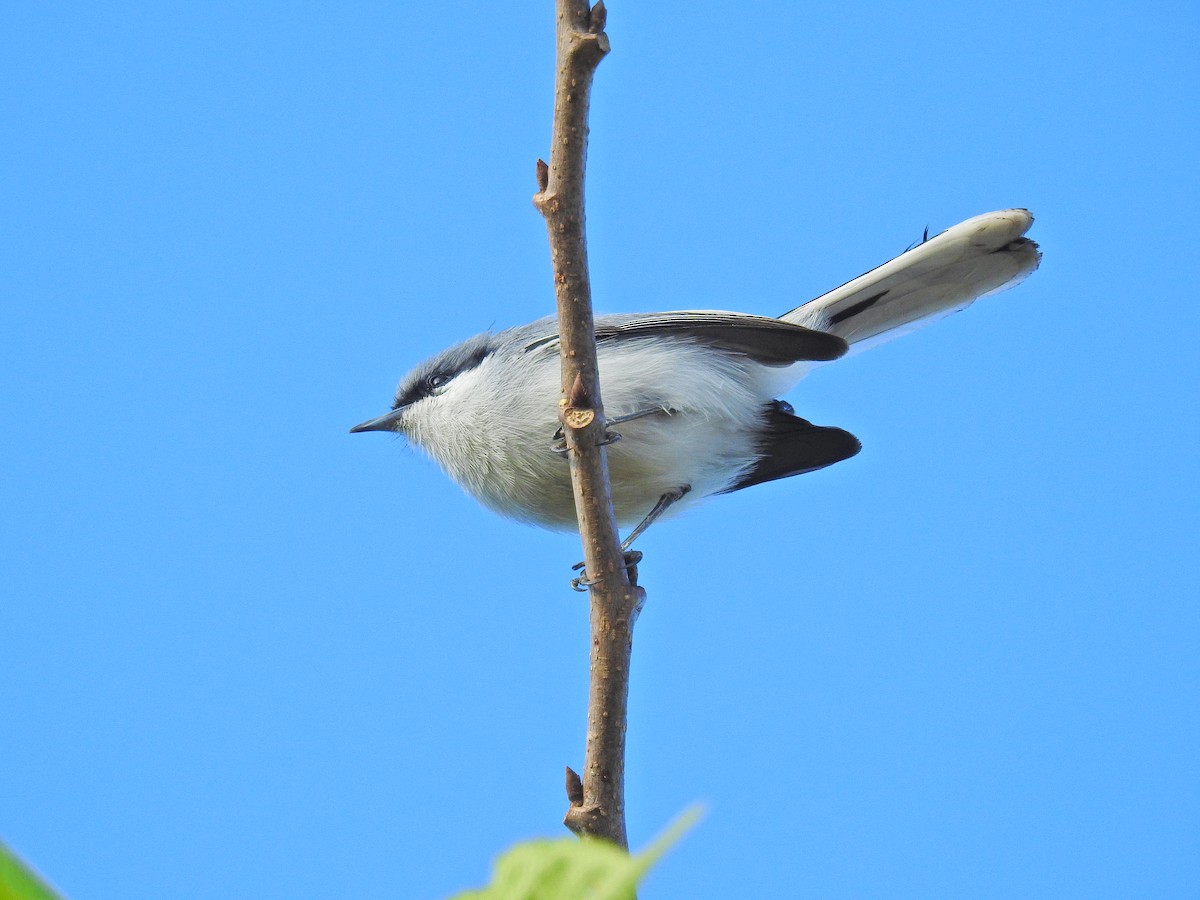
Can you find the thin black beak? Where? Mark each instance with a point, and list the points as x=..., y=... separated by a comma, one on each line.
x=386, y=422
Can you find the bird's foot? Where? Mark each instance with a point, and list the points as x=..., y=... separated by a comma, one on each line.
x=584, y=581
x=559, y=444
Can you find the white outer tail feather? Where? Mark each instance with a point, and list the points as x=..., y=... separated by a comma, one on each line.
x=981, y=256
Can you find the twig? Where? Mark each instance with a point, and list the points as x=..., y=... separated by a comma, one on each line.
x=598, y=807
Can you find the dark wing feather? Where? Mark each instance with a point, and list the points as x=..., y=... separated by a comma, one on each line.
x=792, y=446
x=768, y=341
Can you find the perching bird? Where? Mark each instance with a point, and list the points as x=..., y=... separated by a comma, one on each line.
x=693, y=394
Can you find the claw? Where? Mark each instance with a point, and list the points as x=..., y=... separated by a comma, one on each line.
x=560, y=441
x=584, y=581
x=559, y=444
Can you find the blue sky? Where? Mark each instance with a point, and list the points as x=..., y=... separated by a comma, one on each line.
x=248, y=654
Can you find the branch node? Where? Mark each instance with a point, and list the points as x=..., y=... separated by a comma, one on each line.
x=591, y=47
x=577, y=412
x=574, y=787
x=590, y=820
x=639, y=599
x=579, y=396
x=577, y=417
x=598, y=18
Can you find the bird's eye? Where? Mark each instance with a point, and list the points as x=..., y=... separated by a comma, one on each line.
x=438, y=380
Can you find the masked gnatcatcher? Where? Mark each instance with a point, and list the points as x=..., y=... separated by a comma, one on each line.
x=692, y=394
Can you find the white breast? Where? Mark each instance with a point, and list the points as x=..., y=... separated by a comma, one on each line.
x=497, y=444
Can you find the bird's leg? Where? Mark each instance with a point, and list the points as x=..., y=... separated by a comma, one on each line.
x=633, y=557
x=664, y=503
x=666, y=411
x=611, y=437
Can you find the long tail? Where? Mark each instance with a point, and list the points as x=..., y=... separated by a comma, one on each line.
x=978, y=257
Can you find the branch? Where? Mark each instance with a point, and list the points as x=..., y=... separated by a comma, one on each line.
x=598, y=805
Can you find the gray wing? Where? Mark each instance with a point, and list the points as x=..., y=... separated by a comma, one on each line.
x=769, y=341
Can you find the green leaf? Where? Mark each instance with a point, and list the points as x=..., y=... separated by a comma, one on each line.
x=19, y=882
x=575, y=869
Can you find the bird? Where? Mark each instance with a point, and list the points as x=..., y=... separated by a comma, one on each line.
x=695, y=395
